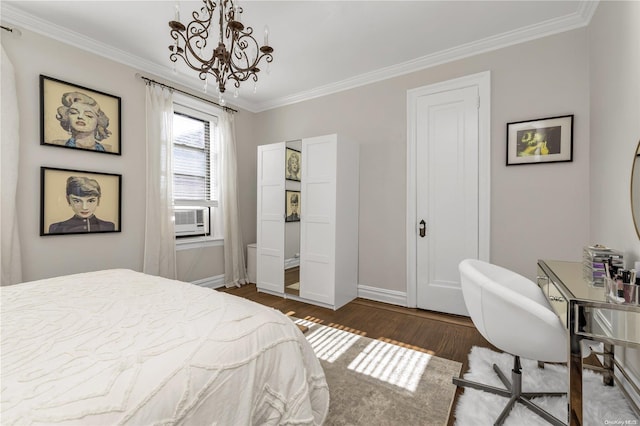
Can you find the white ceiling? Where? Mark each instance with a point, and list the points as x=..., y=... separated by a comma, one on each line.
x=320, y=46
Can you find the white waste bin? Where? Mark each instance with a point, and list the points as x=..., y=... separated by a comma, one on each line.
x=251, y=262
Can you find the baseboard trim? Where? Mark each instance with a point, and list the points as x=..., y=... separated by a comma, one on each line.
x=210, y=282
x=393, y=297
x=291, y=263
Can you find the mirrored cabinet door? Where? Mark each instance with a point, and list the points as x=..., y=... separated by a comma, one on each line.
x=293, y=198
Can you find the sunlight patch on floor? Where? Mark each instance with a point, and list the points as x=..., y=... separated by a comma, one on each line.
x=393, y=364
x=406, y=345
x=328, y=342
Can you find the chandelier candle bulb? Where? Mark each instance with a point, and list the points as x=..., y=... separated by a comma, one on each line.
x=266, y=35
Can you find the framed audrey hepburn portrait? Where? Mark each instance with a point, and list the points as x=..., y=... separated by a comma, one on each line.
x=79, y=202
x=77, y=117
x=292, y=207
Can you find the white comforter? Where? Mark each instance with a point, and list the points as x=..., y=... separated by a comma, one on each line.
x=121, y=347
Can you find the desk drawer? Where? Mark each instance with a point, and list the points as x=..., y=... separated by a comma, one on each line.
x=557, y=302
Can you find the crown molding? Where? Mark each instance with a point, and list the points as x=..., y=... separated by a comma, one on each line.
x=16, y=17
x=24, y=20
x=578, y=19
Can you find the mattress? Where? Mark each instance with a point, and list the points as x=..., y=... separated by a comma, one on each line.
x=121, y=347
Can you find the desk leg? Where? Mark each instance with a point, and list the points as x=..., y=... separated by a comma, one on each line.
x=575, y=368
x=575, y=389
x=607, y=377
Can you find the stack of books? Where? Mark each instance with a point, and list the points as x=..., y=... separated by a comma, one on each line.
x=593, y=260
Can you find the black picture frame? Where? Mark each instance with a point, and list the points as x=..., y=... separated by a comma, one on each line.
x=93, y=108
x=544, y=140
x=292, y=206
x=96, y=199
x=293, y=156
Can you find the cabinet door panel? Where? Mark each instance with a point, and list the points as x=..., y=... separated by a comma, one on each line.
x=319, y=158
x=318, y=281
x=320, y=201
x=272, y=202
x=317, y=229
x=270, y=218
x=318, y=239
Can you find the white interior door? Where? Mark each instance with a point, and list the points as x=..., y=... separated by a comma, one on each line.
x=446, y=195
x=270, y=218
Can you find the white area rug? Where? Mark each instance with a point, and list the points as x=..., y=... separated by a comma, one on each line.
x=602, y=404
x=294, y=286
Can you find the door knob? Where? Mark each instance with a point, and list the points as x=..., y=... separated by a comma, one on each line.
x=423, y=228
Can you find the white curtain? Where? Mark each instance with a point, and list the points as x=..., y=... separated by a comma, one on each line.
x=11, y=263
x=235, y=271
x=159, y=236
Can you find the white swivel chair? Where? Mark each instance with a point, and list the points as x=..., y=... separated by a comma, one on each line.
x=512, y=313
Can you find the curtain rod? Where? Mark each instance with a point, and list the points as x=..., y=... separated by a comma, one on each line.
x=149, y=80
x=14, y=31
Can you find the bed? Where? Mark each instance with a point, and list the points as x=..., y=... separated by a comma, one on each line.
x=122, y=347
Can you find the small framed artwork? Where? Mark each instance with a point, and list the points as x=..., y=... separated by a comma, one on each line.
x=79, y=202
x=292, y=208
x=292, y=170
x=546, y=140
x=77, y=117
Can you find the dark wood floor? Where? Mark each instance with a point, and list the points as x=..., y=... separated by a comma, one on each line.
x=445, y=336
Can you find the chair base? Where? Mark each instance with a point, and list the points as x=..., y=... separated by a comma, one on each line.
x=514, y=392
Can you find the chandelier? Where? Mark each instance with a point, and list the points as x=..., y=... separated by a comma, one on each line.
x=237, y=54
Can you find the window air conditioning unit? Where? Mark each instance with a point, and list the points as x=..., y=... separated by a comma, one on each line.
x=191, y=221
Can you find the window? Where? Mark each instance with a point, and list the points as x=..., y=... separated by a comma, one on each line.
x=196, y=155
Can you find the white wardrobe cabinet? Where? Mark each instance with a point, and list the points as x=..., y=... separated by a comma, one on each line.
x=328, y=220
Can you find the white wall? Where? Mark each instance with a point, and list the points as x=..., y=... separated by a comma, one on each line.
x=538, y=211
x=48, y=256
x=44, y=257
x=614, y=67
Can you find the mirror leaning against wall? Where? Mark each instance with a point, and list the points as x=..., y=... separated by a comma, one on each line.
x=635, y=190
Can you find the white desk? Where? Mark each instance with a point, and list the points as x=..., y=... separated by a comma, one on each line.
x=577, y=303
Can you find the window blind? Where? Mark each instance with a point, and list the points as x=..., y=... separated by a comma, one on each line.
x=194, y=160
